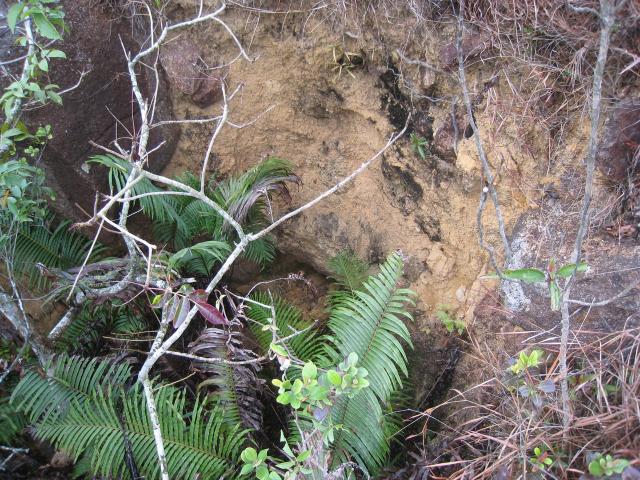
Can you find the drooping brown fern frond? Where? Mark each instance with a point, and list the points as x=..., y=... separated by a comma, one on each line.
x=237, y=387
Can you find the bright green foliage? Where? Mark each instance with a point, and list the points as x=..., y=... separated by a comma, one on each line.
x=254, y=460
x=529, y=383
x=526, y=361
x=418, y=145
x=535, y=275
x=46, y=14
x=366, y=325
x=606, y=465
x=23, y=192
x=54, y=246
x=317, y=390
x=542, y=458
x=47, y=20
x=312, y=396
x=370, y=324
x=451, y=323
x=309, y=345
x=527, y=275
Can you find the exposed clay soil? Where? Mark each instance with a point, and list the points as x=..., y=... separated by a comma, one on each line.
x=327, y=122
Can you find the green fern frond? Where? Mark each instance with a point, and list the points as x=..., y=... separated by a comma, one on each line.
x=370, y=324
x=92, y=323
x=179, y=220
x=261, y=251
x=198, y=220
x=362, y=437
x=56, y=248
x=309, y=345
x=12, y=422
x=203, y=447
x=240, y=195
x=348, y=270
x=71, y=380
x=395, y=411
x=200, y=258
x=160, y=208
x=235, y=386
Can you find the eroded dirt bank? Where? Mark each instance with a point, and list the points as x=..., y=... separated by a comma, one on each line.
x=326, y=119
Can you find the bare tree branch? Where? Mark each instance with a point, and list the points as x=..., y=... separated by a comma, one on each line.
x=607, y=20
x=486, y=168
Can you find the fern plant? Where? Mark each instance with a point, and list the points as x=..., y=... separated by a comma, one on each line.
x=82, y=407
x=49, y=243
x=89, y=327
x=12, y=422
x=366, y=319
x=370, y=323
x=348, y=271
x=179, y=220
x=70, y=381
x=309, y=345
x=236, y=387
x=203, y=447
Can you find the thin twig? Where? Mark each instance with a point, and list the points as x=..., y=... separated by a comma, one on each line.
x=486, y=168
x=603, y=303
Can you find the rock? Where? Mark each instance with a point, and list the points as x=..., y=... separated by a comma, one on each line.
x=439, y=263
x=182, y=62
x=472, y=46
x=538, y=238
x=620, y=140
x=446, y=138
x=99, y=109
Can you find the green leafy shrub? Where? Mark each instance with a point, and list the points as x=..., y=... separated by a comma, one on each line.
x=606, y=465
x=450, y=323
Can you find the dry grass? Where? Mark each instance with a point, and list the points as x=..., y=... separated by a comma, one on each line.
x=497, y=429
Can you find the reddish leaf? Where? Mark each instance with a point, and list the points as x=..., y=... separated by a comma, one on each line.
x=199, y=295
x=210, y=313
